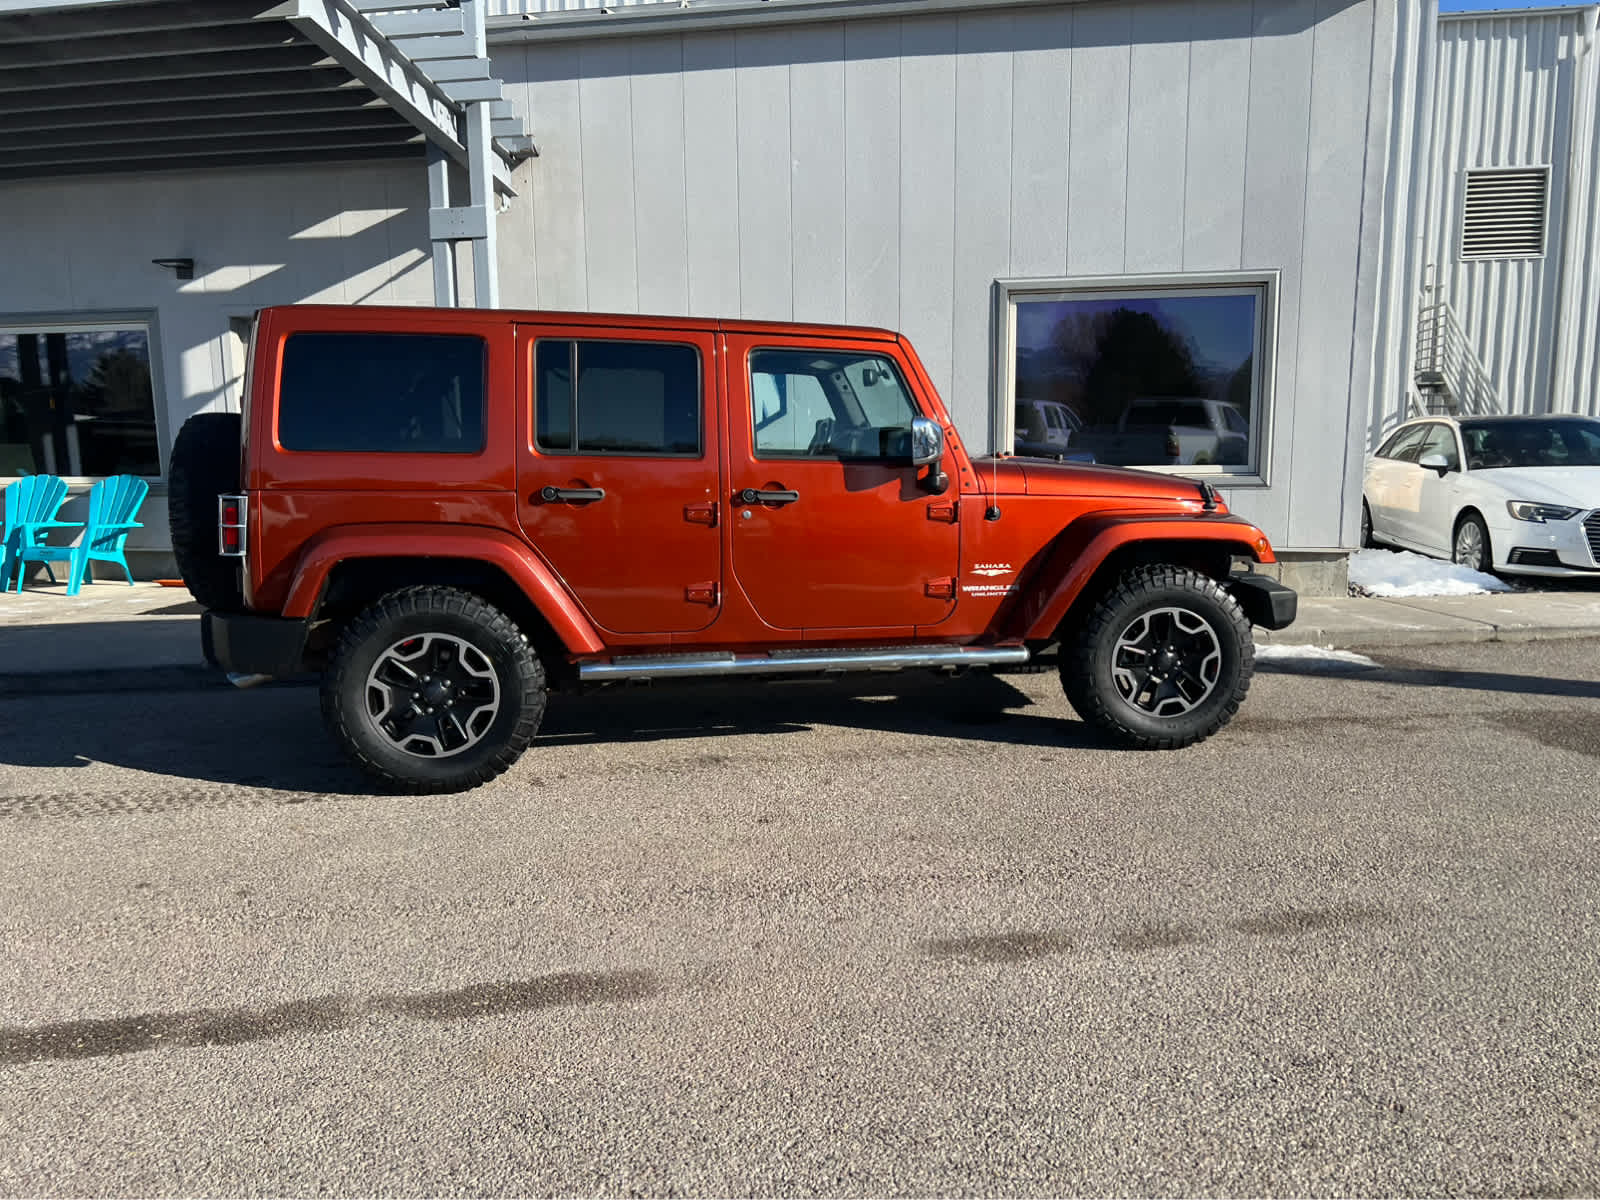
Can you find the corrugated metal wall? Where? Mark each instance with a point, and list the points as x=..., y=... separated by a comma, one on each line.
x=887, y=172
x=1513, y=90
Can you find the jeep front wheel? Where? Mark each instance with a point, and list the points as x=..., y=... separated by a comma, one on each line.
x=1164, y=660
x=432, y=689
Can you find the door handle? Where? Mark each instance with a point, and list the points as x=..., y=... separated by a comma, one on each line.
x=757, y=496
x=555, y=495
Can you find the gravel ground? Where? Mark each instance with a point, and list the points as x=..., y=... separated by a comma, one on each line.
x=895, y=937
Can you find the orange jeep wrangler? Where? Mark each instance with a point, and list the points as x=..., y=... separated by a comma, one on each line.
x=451, y=513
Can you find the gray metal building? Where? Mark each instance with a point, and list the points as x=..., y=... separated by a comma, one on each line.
x=1247, y=194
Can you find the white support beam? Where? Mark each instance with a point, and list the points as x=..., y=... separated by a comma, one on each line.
x=454, y=45
x=474, y=90
x=451, y=70
x=341, y=30
x=444, y=253
x=482, y=163
x=419, y=24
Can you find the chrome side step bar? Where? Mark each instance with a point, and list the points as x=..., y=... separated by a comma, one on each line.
x=798, y=662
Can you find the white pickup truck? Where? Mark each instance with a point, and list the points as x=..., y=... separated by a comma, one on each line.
x=1171, y=431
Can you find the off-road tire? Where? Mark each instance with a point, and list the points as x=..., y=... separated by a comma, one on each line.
x=204, y=465
x=411, y=613
x=1086, y=659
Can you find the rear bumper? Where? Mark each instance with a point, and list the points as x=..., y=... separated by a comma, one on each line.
x=245, y=644
x=1265, y=601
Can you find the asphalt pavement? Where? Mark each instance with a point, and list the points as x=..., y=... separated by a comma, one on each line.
x=897, y=936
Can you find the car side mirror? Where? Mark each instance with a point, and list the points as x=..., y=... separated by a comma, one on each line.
x=927, y=450
x=1435, y=462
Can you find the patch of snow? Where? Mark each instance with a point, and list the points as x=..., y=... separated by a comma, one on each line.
x=1395, y=573
x=1312, y=657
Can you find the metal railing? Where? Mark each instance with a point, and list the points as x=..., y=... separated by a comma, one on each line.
x=1448, y=373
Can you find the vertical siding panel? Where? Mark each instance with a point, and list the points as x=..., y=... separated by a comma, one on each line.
x=766, y=268
x=661, y=223
x=1334, y=190
x=711, y=166
x=1041, y=86
x=872, y=173
x=816, y=192
x=517, y=231
x=1158, y=134
x=927, y=190
x=1275, y=219
x=605, y=95
x=1097, y=156
x=983, y=206
x=555, y=188
x=1219, y=91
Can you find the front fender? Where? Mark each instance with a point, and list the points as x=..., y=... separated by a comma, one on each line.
x=474, y=543
x=1085, y=546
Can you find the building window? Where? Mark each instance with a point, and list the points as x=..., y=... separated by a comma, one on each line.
x=1503, y=214
x=395, y=393
x=76, y=399
x=632, y=398
x=1165, y=372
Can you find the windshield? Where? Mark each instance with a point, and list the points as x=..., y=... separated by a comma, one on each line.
x=1558, y=443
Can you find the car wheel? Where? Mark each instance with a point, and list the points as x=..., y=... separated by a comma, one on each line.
x=1164, y=659
x=432, y=689
x=1367, y=541
x=1472, y=544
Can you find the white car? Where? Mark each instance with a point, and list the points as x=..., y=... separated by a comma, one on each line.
x=1517, y=494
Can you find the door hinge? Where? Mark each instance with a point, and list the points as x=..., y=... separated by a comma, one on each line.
x=941, y=589
x=947, y=511
x=701, y=593
x=701, y=514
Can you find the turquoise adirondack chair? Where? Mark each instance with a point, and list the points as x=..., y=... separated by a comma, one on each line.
x=31, y=507
x=113, y=503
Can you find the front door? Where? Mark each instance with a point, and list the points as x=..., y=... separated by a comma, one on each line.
x=831, y=527
x=618, y=480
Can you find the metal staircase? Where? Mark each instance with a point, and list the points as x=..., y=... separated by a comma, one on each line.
x=1449, y=376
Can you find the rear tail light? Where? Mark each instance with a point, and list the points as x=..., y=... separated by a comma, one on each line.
x=231, y=511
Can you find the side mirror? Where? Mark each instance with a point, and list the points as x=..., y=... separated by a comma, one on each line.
x=927, y=450
x=927, y=442
x=1435, y=462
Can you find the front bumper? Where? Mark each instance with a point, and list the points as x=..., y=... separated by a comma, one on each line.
x=1265, y=601
x=246, y=644
x=1548, y=548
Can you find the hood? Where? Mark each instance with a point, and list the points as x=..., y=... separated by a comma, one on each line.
x=1041, y=477
x=1575, y=487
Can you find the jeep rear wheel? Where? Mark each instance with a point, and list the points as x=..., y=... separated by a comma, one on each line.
x=1163, y=661
x=432, y=689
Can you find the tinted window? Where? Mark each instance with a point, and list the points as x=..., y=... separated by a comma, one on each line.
x=385, y=392
x=631, y=398
x=1404, y=445
x=1525, y=443
x=828, y=404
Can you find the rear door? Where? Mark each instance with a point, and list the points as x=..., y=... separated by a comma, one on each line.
x=1388, y=476
x=618, y=472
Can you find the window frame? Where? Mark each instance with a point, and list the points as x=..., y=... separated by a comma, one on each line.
x=756, y=454
x=99, y=320
x=477, y=451
x=575, y=452
x=1265, y=284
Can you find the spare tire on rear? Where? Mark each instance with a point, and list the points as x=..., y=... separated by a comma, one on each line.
x=205, y=465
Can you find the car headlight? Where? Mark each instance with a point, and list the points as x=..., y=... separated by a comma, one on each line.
x=1528, y=510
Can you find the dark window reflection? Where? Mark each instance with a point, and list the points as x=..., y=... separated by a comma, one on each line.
x=1138, y=380
x=77, y=402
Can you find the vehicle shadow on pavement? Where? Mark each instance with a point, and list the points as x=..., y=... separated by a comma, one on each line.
x=978, y=706
x=269, y=738
x=1409, y=673
x=272, y=738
